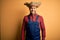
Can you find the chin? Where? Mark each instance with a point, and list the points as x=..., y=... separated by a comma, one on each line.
x=33, y=13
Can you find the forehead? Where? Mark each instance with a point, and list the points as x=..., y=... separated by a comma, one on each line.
x=32, y=6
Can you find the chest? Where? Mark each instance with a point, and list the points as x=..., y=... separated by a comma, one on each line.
x=32, y=20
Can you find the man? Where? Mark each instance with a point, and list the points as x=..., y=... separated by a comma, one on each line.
x=33, y=23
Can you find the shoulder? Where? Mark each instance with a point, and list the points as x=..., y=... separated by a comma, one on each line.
x=40, y=17
x=25, y=18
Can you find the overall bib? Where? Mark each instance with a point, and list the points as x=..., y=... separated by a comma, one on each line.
x=32, y=29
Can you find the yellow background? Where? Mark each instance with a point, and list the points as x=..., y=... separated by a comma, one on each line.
x=13, y=11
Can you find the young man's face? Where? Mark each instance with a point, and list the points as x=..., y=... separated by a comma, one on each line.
x=32, y=10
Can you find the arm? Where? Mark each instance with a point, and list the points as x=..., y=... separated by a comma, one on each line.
x=42, y=28
x=23, y=29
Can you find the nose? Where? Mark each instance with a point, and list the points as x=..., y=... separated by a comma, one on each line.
x=32, y=9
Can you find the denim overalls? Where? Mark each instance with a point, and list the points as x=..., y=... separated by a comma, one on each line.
x=32, y=30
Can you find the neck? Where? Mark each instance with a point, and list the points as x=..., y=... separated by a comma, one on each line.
x=32, y=14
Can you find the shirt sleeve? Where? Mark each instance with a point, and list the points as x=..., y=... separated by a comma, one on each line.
x=42, y=28
x=23, y=29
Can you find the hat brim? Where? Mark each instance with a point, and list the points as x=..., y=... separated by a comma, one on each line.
x=36, y=4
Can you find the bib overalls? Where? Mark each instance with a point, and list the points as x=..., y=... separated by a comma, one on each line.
x=32, y=29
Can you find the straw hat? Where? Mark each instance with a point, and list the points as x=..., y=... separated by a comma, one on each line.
x=36, y=4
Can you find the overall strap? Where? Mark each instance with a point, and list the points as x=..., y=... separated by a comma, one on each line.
x=37, y=18
x=28, y=17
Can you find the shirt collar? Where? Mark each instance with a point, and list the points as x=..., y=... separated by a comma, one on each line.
x=33, y=14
